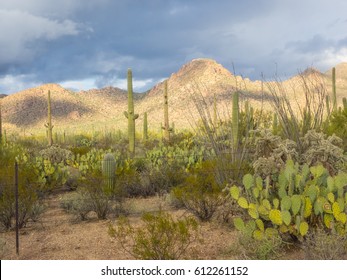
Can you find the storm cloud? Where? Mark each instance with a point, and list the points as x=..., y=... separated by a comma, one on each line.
x=90, y=43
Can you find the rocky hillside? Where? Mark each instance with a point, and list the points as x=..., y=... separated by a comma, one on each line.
x=197, y=83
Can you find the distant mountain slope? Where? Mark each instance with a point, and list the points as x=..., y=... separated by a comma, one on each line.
x=199, y=80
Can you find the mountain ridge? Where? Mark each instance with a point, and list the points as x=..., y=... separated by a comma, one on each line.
x=103, y=108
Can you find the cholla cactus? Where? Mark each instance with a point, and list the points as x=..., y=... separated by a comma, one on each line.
x=55, y=154
x=325, y=150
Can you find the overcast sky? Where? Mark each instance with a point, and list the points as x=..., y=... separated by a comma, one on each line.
x=84, y=44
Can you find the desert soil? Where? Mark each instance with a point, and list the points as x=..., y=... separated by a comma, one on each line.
x=58, y=236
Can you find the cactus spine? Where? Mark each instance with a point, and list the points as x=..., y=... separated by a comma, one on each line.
x=145, y=127
x=49, y=125
x=334, y=89
x=109, y=171
x=130, y=115
x=235, y=120
x=166, y=126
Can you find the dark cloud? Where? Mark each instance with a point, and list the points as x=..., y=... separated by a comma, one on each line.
x=97, y=40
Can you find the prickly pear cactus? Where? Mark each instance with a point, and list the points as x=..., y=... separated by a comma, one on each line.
x=300, y=199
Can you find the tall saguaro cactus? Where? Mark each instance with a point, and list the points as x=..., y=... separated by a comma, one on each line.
x=334, y=89
x=130, y=115
x=49, y=125
x=166, y=126
x=145, y=127
x=235, y=120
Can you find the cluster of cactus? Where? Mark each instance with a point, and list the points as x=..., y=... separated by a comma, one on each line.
x=130, y=114
x=49, y=125
x=186, y=158
x=271, y=150
x=301, y=198
x=55, y=154
x=50, y=174
x=92, y=161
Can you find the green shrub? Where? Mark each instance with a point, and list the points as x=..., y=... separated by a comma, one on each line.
x=29, y=205
x=200, y=193
x=95, y=194
x=160, y=237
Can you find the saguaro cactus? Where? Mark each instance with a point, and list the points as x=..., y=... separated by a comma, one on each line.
x=327, y=104
x=344, y=102
x=109, y=171
x=334, y=89
x=235, y=120
x=49, y=125
x=130, y=115
x=145, y=127
x=166, y=126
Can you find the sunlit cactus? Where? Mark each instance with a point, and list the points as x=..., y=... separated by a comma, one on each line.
x=130, y=115
x=49, y=125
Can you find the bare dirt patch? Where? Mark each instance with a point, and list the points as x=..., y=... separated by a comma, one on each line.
x=58, y=236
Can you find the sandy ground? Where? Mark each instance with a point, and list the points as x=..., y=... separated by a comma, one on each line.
x=59, y=237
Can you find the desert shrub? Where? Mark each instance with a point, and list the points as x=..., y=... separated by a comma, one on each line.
x=162, y=179
x=129, y=180
x=247, y=247
x=94, y=193
x=29, y=205
x=322, y=245
x=200, y=193
x=159, y=238
x=77, y=205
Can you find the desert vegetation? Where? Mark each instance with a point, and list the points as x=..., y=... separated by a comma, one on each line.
x=270, y=184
